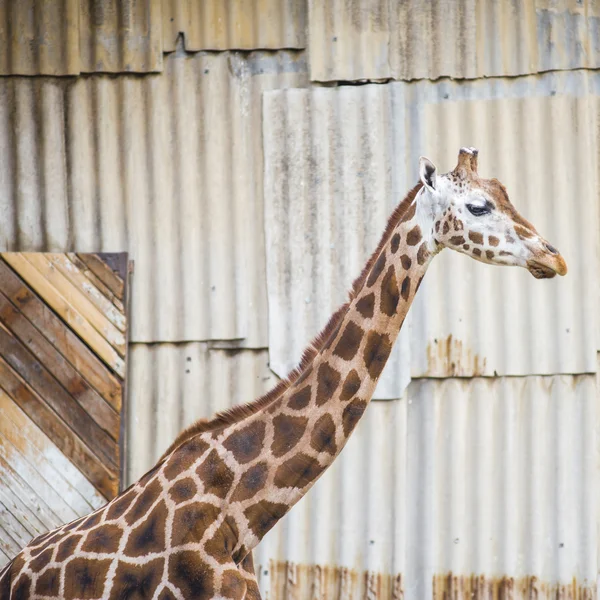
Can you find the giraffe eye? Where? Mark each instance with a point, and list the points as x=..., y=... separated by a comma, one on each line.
x=479, y=209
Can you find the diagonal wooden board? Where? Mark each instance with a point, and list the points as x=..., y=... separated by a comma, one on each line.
x=63, y=349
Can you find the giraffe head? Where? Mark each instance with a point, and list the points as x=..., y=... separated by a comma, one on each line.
x=474, y=216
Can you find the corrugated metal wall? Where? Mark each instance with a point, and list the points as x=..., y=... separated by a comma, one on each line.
x=234, y=198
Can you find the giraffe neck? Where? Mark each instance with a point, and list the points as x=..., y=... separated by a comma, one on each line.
x=302, y=432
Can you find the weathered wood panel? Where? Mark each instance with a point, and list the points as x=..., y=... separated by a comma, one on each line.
x=63, y=339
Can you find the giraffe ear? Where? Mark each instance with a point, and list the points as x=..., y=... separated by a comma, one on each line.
x=427, y=173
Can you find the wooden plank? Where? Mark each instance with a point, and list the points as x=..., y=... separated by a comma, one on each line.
x=14, y=527
x=53, y=499
x=14, y=482
x=4, y=560
x=63, y=339
x=68, y=313
x=104, y=480
x=25, y=514
x=65, y=311
x=82, y=282
x=77, y=300
x=50, y=391
x=111, y=279
x=97, y=283
x=50, y=468
x=36, y=438
x=89, y=399
x=9, y=546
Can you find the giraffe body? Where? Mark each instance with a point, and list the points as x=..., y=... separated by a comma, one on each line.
x=186, y=529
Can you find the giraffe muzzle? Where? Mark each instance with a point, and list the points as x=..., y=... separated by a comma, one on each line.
x=548, y=264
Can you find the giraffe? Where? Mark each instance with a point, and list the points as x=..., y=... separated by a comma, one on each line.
x=187, y=528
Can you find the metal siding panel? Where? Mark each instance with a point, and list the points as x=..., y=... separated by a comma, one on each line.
x=337, y=145
x=489, y=479
x=118, y=36
x=468, y=39
x=349, y=40
x=39, y=37
x=234, y=24
x=168, y=168
x=173, y=385
x=321, y=220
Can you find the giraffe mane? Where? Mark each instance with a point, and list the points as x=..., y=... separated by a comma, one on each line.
x=242, y=411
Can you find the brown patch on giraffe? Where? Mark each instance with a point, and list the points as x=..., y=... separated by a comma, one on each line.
x=48, y=584
x=405, y=291
x=332, y=336
x=413, y=237
x=457, y=240
x=191, y=575
x=410, y=213
x=233, y=585
x=376, y=352
x=489, y=254
x=446, y=228
x=67, y=547
x=395, y=243
x=390, y=297
x=22, y=588
x=476, y=251
x=366, y=305
x=406, y=262
x=300, y=399
x=298, y=471
x=523, y=232
x=263, y=515
x=352, y=414
x=216, y=476
x=493, y=240
x=505, y=253
x=149, y=535
x=104, y=538
x=350, y=341
x=423, y=253
x=476, y=237
x=351, y=386
x=90, y=522
x=166, y=594
x=509, y=238
x=328, y=380
x=184, y=457
x=134, y=582
x=85, y=578
x=239, y=554
x=246, y=444
x=323, y=435
x=191, y=521
x=38, y=563
x=287, y=433
x=458, y=224
x=225, y=539
x=377, y=270
x=466, y=246
x=418, y=285
x=121, y=504
x=143, y=502
x=275, y=407
x=182, y=490
x=43, y=541
x=251, y=482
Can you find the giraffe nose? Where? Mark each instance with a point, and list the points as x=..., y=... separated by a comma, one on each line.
x=550, y=248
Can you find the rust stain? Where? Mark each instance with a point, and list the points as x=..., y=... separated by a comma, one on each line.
x=450, y=357
x=473, y=587
x=292, y=581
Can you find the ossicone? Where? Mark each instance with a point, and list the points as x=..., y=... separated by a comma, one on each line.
x=467, y=162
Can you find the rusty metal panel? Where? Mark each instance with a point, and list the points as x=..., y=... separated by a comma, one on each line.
x=235, y=24
x=167, y=167
x=350, y=40
x=464, y=488
x=338, y=159
x=467, y=39
x=44, y=37
x=173, y=385
x=118, y=36
x=39, y=36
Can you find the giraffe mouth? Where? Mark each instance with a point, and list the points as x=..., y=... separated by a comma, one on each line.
x=547, y=268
